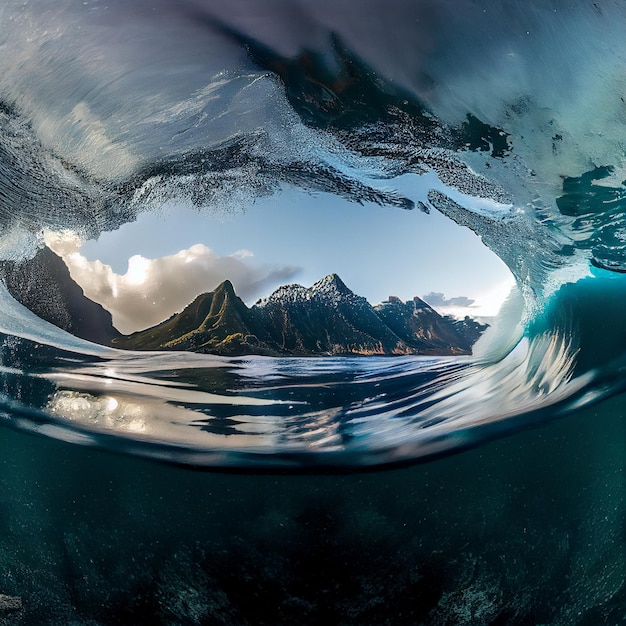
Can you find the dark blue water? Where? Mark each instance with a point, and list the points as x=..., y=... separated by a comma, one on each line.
x=525, y=530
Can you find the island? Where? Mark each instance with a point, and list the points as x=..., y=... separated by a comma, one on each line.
x=324, y=319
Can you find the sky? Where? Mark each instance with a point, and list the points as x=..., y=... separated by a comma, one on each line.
x=151, y=268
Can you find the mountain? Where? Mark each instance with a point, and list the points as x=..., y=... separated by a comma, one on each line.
x=217, y=322
x=43, y=284
x=424, y=330
x=325, y=319
x=469, y=329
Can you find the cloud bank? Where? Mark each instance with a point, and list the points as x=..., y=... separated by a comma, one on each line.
x=435, y=298
x=152, y=290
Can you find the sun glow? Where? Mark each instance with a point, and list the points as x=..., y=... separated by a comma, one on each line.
x=138, y=269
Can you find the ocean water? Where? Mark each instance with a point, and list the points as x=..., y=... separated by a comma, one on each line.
x=182, y=488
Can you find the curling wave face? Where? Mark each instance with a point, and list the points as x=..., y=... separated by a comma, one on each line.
x=514, y=115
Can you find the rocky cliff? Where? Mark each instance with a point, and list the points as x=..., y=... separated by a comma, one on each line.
x=325, y=319
x=43, y=284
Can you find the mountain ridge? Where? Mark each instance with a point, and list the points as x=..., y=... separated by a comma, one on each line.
x=324, y=319
x=215, y=322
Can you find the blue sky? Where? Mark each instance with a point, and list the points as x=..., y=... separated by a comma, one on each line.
x=294, y=236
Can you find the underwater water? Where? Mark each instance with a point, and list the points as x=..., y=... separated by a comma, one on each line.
x=528, y=529
x=175, y=452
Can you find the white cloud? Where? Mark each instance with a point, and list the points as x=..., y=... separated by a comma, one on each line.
x=486, y=304
x=152, y=290
x=437, y=299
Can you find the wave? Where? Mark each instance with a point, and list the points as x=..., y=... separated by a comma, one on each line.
x=110, y=112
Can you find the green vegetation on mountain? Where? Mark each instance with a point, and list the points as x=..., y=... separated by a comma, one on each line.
x=326, y=319
x=217, y=322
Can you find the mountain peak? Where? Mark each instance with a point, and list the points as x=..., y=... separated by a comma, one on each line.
x=329, y=289
x=332, y=279
x=225, y=286
x=331, y=284
x=327, y=318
